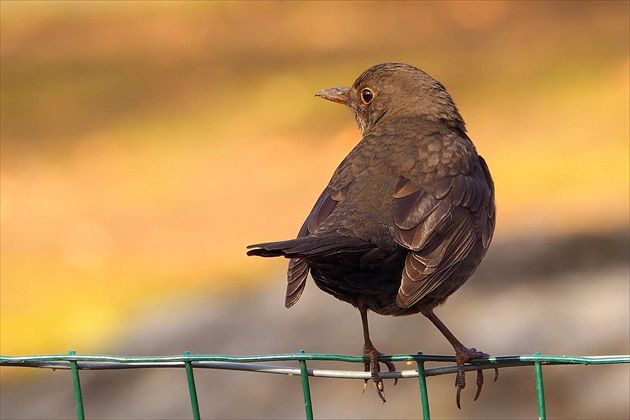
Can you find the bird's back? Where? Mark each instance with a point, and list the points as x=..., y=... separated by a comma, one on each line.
x=381, y=202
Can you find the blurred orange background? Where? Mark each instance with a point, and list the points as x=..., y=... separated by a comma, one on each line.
x=144, y=144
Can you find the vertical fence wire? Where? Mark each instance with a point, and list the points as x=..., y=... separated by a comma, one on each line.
x=540, y=390
x=424, y=396
x=194, y=402
x=306, y=389
x=76, y=381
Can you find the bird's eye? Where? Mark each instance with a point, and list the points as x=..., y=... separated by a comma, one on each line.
x=367, y=95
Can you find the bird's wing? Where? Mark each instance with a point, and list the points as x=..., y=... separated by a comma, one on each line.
x=439, y=226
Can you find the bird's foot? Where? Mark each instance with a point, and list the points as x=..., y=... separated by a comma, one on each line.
x=373, y=367
x=463, y=355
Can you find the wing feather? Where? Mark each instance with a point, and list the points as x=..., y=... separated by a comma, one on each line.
x=440, y=226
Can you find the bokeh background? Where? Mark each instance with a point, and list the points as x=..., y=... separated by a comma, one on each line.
x=145, y=144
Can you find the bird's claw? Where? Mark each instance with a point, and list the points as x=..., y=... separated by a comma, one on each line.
x=373, y=367
x=461, y=357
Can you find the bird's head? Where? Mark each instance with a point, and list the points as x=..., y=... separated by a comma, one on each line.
x=393, y=91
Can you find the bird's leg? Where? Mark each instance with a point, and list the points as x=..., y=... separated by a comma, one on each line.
x=462, y=355
x=372, y=354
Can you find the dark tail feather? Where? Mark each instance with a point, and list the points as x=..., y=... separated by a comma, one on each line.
x=298, y=268
x=299, y=250
x=273, y=249
x=308, y=246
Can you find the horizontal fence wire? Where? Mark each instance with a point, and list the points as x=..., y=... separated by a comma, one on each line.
x=262, y=364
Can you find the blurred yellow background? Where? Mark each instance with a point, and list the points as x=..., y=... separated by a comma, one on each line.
x=144, y=145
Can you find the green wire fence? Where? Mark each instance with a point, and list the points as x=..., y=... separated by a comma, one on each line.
x=261, y=363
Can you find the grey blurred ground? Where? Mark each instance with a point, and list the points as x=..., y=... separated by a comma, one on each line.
x=567, y=295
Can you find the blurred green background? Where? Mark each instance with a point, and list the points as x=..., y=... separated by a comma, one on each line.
x=145, y=144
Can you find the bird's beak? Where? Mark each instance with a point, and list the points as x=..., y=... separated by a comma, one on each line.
x=339, y=95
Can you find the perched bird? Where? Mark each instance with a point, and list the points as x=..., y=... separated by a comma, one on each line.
x=408, y=214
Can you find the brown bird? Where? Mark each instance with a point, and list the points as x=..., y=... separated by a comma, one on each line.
x=408, y=214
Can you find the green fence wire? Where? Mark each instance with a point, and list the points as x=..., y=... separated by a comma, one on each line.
x=261, y=363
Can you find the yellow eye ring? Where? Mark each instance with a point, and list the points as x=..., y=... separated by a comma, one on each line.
x=367, y=95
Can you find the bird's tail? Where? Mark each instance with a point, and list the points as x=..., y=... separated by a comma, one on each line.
x=299, y=250
x=298, y=268
x=273, y=249
x=308, y=246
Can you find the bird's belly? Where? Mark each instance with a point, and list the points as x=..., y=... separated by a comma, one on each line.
x=351, y=279
x=375, y=277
